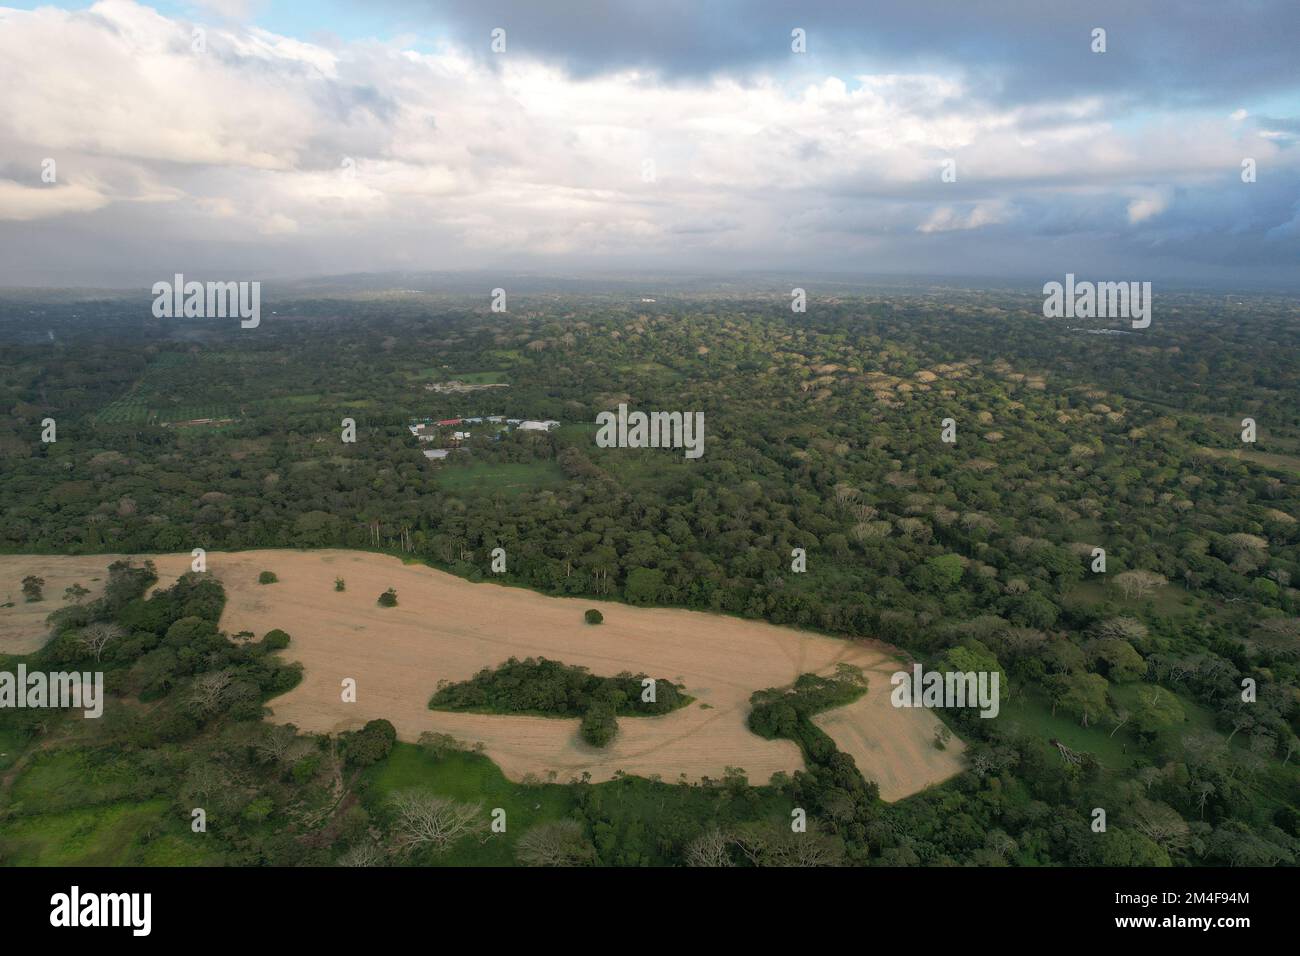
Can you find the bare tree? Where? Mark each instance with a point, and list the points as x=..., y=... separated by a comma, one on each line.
x=1203, y=789
x=1135, y=584
x=209, y=691
x=1240, y=723
x=95, y=637
x=1069, y=756
x=1122, y=628
x=423, y=819
x=768, y=845
x=276, y=742
x=1162, y=824
x=558, y=843
x=845, y=494
x=709, y=849
x=203, y=780
x=362, y=854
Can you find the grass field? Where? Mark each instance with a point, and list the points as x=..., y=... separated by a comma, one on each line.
x=125, y=833
x=1032, y=715
x=632, y=803
x=69, y=807
x=472, y=778
x=508, y=478
x=1287, y=464
x=64, y=779
x=469, y=378
x=10, y=745
x=1170, y=600
x=644, y=468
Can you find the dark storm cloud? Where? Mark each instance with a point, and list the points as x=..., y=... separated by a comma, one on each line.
x=1197, y=52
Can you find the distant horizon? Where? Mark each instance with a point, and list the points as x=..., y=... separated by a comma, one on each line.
x=682, y=282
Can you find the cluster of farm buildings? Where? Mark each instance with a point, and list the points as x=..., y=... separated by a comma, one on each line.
x=430, y=430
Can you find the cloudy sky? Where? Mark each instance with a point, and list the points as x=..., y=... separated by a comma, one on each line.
x=235, y=139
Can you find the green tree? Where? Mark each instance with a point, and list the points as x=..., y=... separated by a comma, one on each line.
x=1085, y=697
x=644, y=585
x=371, y=744
x=1157, y=710
x=599, y=725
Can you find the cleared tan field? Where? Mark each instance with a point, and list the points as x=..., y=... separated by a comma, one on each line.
x=22, y=627
x=448, y=628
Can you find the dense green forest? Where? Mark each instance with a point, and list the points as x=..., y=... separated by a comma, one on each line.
x=1124, y=688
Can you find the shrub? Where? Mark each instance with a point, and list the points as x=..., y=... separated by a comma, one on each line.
x=33, y=587
x=267, y=577
x=599, y=725
x=593, y=617
x=258, y=810
x=388, y=598
x=339, y=585
x=371, y=744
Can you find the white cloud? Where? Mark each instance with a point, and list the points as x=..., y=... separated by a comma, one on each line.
x=250, y=140
x=946, y=219
x=20, y=202
x=1145, y=207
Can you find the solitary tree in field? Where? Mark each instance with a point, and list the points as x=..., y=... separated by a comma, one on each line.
x=33, y=588
x=1085, y=695
x=423, y=819
x=388, y=598
x=267, y=577
x=339, y=584
x=599, y=725
x=75, y=592
x=593, y=616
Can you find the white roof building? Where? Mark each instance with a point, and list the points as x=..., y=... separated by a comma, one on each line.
x=544, y=426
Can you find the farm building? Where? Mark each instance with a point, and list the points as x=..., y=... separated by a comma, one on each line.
x=543, y=426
